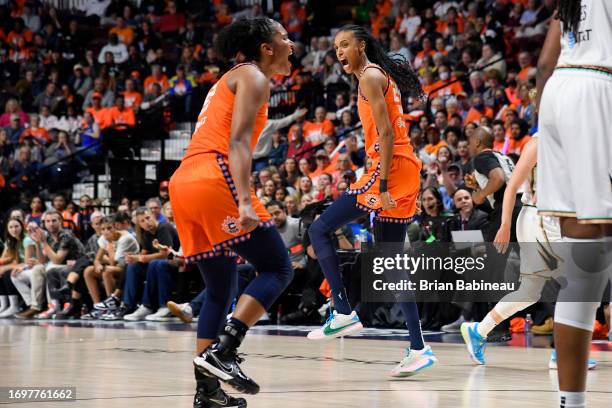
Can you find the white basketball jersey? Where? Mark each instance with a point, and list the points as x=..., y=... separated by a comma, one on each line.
x=592, y=44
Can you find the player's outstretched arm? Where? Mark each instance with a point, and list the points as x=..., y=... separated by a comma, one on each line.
x=524, y=166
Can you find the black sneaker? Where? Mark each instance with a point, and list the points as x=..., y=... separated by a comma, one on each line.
x=216, y=399
x=116, y=314
x=224, y=366
x=499, y=334
x=72, y=312
x=111, y=303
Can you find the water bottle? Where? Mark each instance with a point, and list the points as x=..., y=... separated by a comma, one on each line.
x=363, y=237
x=528, y=323
x=357, y=243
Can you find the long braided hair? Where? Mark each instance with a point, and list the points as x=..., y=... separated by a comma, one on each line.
x=400, y=70
x=569, y=12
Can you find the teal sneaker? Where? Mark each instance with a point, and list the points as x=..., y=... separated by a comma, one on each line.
x=414, y=362
x=552, y=364
x=337, y=325
x=475, y=342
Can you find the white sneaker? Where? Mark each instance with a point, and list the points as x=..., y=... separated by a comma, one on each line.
x=163, y=314
x=140, y=314
x=12, y=310
x=454, y=327
x=414, y=362
x=337, y=325
x=181, y=310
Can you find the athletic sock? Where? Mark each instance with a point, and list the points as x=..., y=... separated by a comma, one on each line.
x=232, y=335
x=486, y=325
x=208, y=384
x=572, y=399
x=4, y=302
x=14, y=301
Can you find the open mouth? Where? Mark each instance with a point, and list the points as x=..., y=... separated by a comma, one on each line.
x=344, y=62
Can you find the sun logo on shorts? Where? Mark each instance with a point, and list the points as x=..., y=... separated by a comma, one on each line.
x=230, y=225
x=372, y=200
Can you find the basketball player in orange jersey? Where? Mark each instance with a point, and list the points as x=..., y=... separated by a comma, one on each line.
x=216, y=213
x=389, y=189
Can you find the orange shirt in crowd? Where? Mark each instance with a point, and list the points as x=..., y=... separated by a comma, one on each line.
x=317, y=132
x=385, y=8
x=475, y=115
x=14, y=38
x=498, y=145
x=454, y=89
x=433, y=149
x=132, y=99
x=101, y=116
x=524, y=73
x=125, y=34
x=163, y=83
x=418, y=60
x=39, y=134
x=517, y=146
x=125, y=117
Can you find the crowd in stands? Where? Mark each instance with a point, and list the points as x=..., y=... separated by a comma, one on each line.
x=96, y=81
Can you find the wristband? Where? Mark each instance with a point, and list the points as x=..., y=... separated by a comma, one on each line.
x=383, y=186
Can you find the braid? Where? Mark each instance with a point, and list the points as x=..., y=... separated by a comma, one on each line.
x=569, y=12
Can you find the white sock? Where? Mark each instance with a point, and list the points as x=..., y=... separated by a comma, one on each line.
x=14, y=300
x=572, y=399
x=4, y=302
x=486, y=325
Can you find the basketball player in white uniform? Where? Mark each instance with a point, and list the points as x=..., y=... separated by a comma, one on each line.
x=575, y=169
x=539, y=262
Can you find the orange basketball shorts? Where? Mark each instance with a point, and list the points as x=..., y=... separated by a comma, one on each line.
x=404, y=184
x=205, y=207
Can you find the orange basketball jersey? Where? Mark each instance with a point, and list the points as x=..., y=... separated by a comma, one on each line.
x=202, y=191
x=393, y=100
x=212, y=132
x=404, y=171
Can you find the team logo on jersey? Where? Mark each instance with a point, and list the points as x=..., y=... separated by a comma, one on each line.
x=372, y=200
x=230, y=225
x=571, y=40
x=400, y=122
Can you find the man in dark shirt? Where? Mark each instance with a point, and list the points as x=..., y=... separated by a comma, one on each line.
x=491, y=172
x=488, y=180
x=152, y=265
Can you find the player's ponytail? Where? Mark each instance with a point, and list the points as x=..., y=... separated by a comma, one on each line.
x=245, y=36
x=397, y=66
x=569, y=12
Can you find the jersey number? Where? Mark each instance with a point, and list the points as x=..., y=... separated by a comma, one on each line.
x=397, y=97
x=201, y=118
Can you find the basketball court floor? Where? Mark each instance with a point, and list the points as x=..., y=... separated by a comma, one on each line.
x=117, y=364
